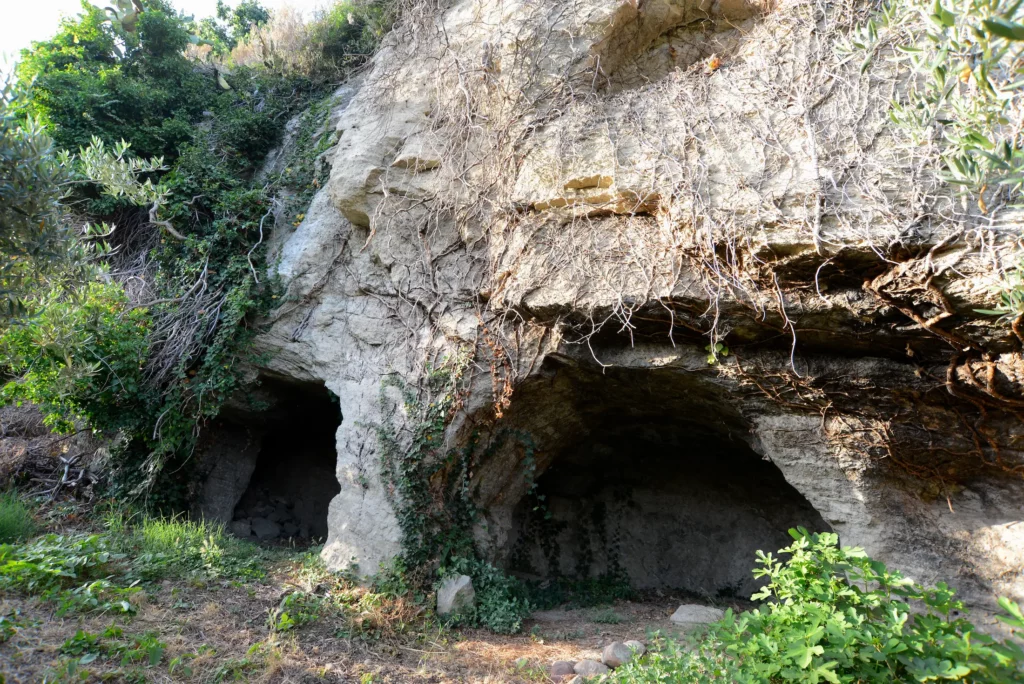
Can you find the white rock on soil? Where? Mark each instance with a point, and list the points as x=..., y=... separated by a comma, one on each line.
x=455, y=595
x=616, y=654
x=637, y=647
x=692, y=614
x=590, y=668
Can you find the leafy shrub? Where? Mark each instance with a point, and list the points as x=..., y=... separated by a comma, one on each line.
x=501, y=602
x=36, y=242
x=337, y=41
x=835, y=615
x=242, y=18
x=96, y=79
x=346, y=34
x=156, y=373
x=81, y=357
x=16, y=522
x=100, y=596
x=297, y=609
x=50, y=567
x=52, y=561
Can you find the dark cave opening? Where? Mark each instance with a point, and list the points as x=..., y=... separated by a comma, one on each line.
x=635, y=484
x=293, y=479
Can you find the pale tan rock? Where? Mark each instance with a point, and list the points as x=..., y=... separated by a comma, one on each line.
x=532, y=167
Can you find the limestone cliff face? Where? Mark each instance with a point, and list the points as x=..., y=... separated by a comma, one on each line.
x=589, y=196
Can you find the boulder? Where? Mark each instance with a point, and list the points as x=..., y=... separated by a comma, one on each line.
x=616, y=654
x=241, y=529
x=265, y=529
x=637, y=647
x=693, y=614
x=455, y=595
x=590, y=668
x=562, y=668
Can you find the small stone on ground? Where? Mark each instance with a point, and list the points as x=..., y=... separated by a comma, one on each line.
x=590, y=668
x=691, y=614
x=562, y=668
x=455, y=595
x=265, y=529
x=616, y=654
x=637, y=647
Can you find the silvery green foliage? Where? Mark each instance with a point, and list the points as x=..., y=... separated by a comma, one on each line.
x=39, y=246
x=118, y=174
x=965, y=91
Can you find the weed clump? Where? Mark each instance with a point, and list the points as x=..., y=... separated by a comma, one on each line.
x=16, y=522
x=175, y=546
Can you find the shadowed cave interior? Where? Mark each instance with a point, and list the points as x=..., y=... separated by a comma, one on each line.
x=644, y=491
x=294, y=479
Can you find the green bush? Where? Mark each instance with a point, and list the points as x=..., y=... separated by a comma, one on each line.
x=835, y=615
x=53, y=561
x=81, y=357
x=965, y=92
x=501, y=602
x=95, y=79
x=16, y=522
x=347, y=34
x=54, y=567
x=36, y=243
x=157, y=374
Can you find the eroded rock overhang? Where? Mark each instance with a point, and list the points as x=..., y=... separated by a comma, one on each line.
x=506, y=181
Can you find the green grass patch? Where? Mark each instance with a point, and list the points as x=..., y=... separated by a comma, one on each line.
x=16, y=521
x=606, y=616
x=102, y=572
x=177, y=546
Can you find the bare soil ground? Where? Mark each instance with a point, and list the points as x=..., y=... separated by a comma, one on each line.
x=220, y=631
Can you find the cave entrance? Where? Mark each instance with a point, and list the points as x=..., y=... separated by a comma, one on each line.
x=293, y=477
x=649, y=476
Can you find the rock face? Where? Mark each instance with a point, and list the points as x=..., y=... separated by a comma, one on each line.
x=706, y=292
x=456, y=595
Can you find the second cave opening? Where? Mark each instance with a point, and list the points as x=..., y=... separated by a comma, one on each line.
x=647, y=475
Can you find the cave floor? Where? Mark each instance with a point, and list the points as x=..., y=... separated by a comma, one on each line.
x=215, y=631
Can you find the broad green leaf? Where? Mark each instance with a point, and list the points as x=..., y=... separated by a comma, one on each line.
x=1009, y=30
